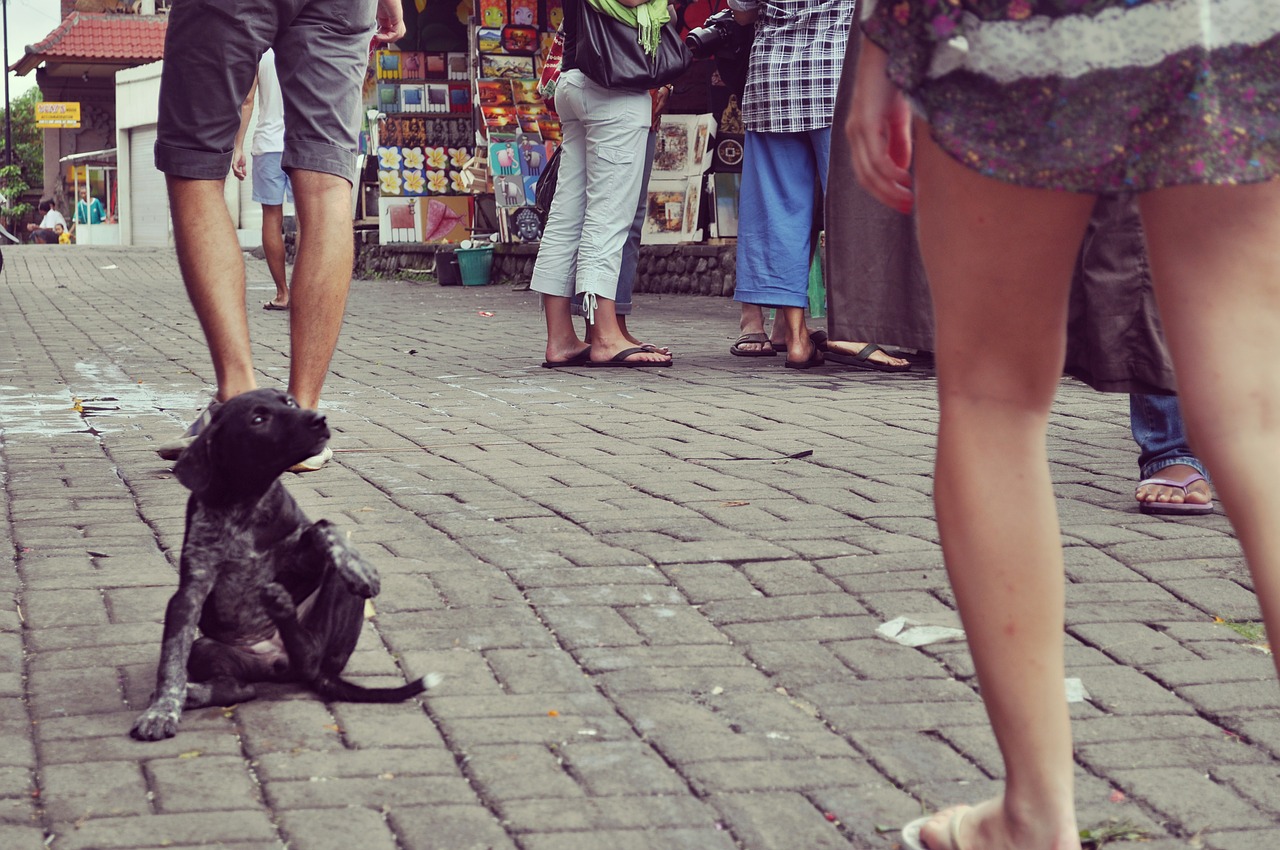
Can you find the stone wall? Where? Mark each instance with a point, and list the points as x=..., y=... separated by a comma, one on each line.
x=692, y=269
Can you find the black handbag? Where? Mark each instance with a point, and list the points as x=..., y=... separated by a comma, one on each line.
x=609, y=52
x=545, y=188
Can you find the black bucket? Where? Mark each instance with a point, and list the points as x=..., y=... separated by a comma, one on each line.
x=448, y=272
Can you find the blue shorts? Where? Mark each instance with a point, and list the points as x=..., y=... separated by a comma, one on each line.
x=213, y=50
x=271, y=186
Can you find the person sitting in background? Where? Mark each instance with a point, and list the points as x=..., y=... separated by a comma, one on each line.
x=51, y=226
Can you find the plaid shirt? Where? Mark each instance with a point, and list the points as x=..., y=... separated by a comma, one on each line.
x=795, y=64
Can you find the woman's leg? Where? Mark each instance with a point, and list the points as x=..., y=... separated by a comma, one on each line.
x=1217, y=275
x=630, y=257
x=999, y=259
x=617, y=134
x=555, y=268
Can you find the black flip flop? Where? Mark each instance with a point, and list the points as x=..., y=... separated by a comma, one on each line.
x=620, y=360
x=862, y=360
x=759, y=339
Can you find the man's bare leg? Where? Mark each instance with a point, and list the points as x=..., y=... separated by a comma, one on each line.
x=752, y=322
x=800, y=347
x=213, y=272
x=321, y=279
x=273, y=248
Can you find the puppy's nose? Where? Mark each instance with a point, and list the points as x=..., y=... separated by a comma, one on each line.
x=316, y=421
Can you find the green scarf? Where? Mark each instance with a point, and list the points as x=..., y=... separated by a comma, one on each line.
x=648, y=19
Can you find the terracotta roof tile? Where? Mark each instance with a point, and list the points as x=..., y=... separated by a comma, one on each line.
x=82, y=35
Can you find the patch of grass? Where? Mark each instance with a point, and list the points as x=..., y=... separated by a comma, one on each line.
x=1252, y=632
x=1109, y=832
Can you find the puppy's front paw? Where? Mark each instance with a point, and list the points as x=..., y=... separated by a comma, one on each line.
x=158, y=722
x=362, y=579
x=359, y=575
x=277, y=602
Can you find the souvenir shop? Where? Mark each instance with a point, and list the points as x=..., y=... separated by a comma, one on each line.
x=456, y=136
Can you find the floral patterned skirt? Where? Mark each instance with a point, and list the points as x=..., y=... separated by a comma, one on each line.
x=1097, y=96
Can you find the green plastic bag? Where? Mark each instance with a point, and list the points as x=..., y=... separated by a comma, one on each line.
x=817, y=289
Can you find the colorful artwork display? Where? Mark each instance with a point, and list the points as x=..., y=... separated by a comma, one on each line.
x=422, y=170
x=671, y=211
x=516, y=161
x=432, y=220
x=512, y=37
x=682, y=145
x=432, y=160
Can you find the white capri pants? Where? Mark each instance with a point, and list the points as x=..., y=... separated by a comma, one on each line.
x=601, y=175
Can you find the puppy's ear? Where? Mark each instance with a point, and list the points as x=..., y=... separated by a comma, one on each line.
x=195, y=465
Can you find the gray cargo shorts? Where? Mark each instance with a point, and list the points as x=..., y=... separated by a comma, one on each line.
x=211, y=52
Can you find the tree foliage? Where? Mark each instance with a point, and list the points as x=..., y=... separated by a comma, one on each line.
x=28, y=140
x=12, y=184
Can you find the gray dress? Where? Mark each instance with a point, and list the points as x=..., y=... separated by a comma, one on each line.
x=877, y=291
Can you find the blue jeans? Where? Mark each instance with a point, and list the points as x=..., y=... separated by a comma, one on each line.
x=1161, y=435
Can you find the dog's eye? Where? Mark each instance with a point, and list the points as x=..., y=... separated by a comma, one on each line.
x=257, y=419
x=289, y=402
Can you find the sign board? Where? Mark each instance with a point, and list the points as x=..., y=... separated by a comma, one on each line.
x=52, y=115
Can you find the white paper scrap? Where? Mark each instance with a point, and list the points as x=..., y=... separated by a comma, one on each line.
x=1076, y=691
x=911, y=632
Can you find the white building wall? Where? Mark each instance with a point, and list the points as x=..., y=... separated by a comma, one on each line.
x=137, y=99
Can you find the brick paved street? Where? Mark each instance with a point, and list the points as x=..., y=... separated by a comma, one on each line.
x=657, y=628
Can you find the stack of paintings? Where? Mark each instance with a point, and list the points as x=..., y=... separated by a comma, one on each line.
x=522, y=132
x=674, y=195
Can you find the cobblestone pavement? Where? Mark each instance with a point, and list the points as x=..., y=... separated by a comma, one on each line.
x=653, y=595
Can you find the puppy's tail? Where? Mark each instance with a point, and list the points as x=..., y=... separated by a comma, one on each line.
x=334, y=688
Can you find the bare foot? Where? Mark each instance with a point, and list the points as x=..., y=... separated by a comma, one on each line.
x=566, y=355
x=599, y=354
x=805, y=350
x=852, y=349
x=752, y=323
x=1196, y=493
x=647, y=346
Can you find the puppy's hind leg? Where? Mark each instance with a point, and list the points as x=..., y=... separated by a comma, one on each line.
x=217, y=676
x=359, y=575
x=335, y=621
x=303, y=647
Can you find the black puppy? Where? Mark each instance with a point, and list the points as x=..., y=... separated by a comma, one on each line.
x=277, y=599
